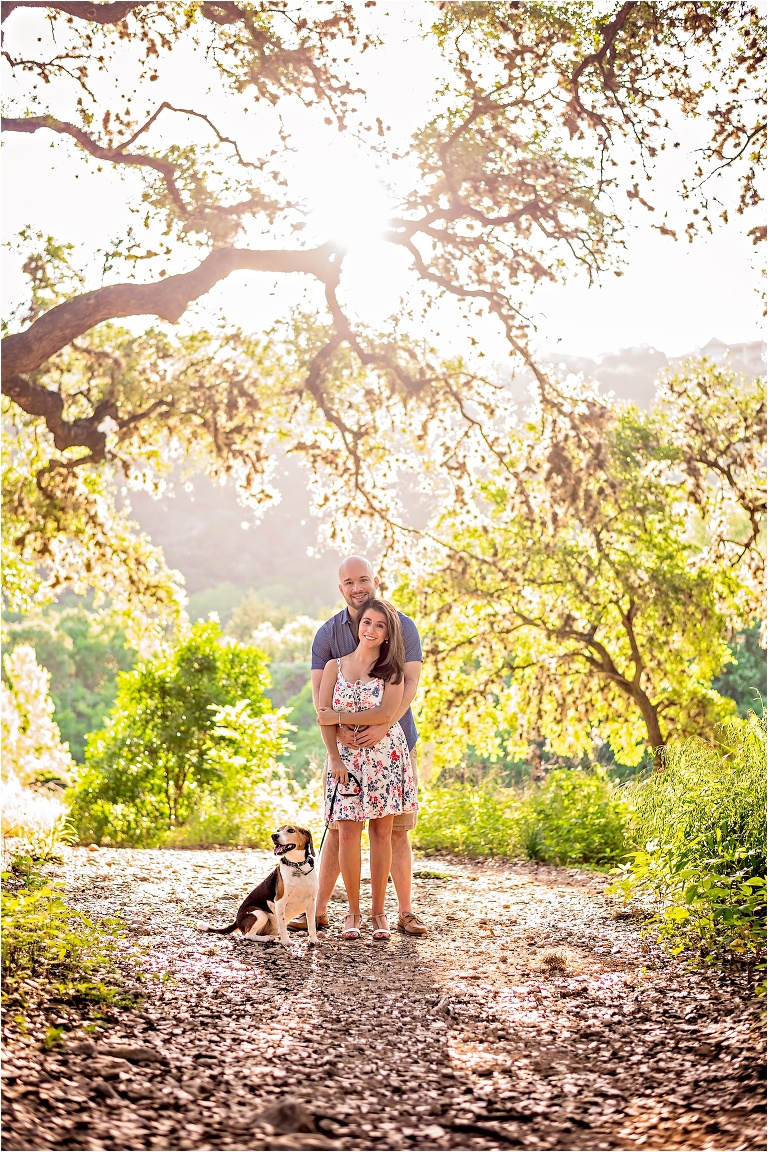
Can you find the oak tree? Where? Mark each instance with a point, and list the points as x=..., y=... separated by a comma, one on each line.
x=574, y=593
x=511, y=179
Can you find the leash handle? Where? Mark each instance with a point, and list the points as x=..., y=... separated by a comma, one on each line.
x=329, y=821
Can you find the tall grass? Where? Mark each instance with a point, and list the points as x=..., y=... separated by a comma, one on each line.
x=706, y=789
x=700, y=829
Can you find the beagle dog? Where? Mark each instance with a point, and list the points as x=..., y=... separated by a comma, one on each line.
x=287, y=892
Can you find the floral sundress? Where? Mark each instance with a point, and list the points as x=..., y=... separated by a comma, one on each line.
x=383, y=782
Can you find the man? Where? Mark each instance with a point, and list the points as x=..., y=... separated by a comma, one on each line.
x=337, y=638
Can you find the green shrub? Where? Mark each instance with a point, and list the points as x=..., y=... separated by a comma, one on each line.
x=51, y=949
x=744, y=680
x=575, y=817
x=290, y=680
x=254, y=793
x=702, y=824
x=704, y=788
x=188, y=750
x=478, y=822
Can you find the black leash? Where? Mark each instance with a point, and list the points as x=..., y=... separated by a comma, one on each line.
x=329, y=821
x=330, y=817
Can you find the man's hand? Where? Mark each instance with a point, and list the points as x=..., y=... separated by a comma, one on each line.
x=369, y=736
x=346, y=736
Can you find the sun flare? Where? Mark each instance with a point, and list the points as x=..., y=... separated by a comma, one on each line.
x=349, y=206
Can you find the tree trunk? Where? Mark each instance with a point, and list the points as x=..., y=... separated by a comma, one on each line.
x=655, y=738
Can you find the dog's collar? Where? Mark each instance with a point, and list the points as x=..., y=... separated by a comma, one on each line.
x=309, y=863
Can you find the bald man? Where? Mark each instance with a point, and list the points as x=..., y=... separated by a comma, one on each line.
x=337, y=638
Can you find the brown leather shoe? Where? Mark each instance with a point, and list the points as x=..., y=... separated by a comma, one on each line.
x=299, y=923
x=410, y=923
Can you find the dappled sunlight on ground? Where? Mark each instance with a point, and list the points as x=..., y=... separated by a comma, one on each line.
x=532, y=1016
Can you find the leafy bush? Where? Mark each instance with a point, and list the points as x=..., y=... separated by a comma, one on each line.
x=33, y=818
x=274, y=631
x=252, y=796
x=32, y=747
x=478, y=822
x=252, y=610
x=288, y=681
x=744, y=680
x=702, y=824
x=49, y=946
x=575, y=817
x=187, y=747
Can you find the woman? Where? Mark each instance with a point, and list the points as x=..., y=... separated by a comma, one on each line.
x=370, y=784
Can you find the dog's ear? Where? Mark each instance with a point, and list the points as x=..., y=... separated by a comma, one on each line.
x=310, y=844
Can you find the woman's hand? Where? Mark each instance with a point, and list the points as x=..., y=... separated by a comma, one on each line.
x=327, y=716
x=339, y=772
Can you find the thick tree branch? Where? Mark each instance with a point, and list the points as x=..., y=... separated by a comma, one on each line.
x=168, y=299
x=222, y=13
x=117, y=154
x=165, y=106
x=97, y=13
x=610, y=33
x=36, y=400
x=627, y=619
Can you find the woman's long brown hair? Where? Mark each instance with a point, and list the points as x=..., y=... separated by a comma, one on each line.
x=390, y=665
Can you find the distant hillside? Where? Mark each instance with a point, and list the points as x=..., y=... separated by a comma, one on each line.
x=630, y=373
x=202, y=531
x=213, y=540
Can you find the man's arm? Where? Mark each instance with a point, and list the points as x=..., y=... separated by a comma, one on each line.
x=317, y=679
x=410, y=685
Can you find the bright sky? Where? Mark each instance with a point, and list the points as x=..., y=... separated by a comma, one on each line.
x=673, y=296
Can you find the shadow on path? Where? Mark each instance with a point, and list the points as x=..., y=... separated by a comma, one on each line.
x=529, y=1018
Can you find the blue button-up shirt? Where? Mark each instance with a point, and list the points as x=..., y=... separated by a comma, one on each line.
x=338, y=637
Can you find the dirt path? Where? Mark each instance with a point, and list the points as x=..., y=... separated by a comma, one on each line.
x=469, y=1039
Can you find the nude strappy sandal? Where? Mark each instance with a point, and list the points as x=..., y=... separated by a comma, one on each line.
x=352, y=924
x=381, y=927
